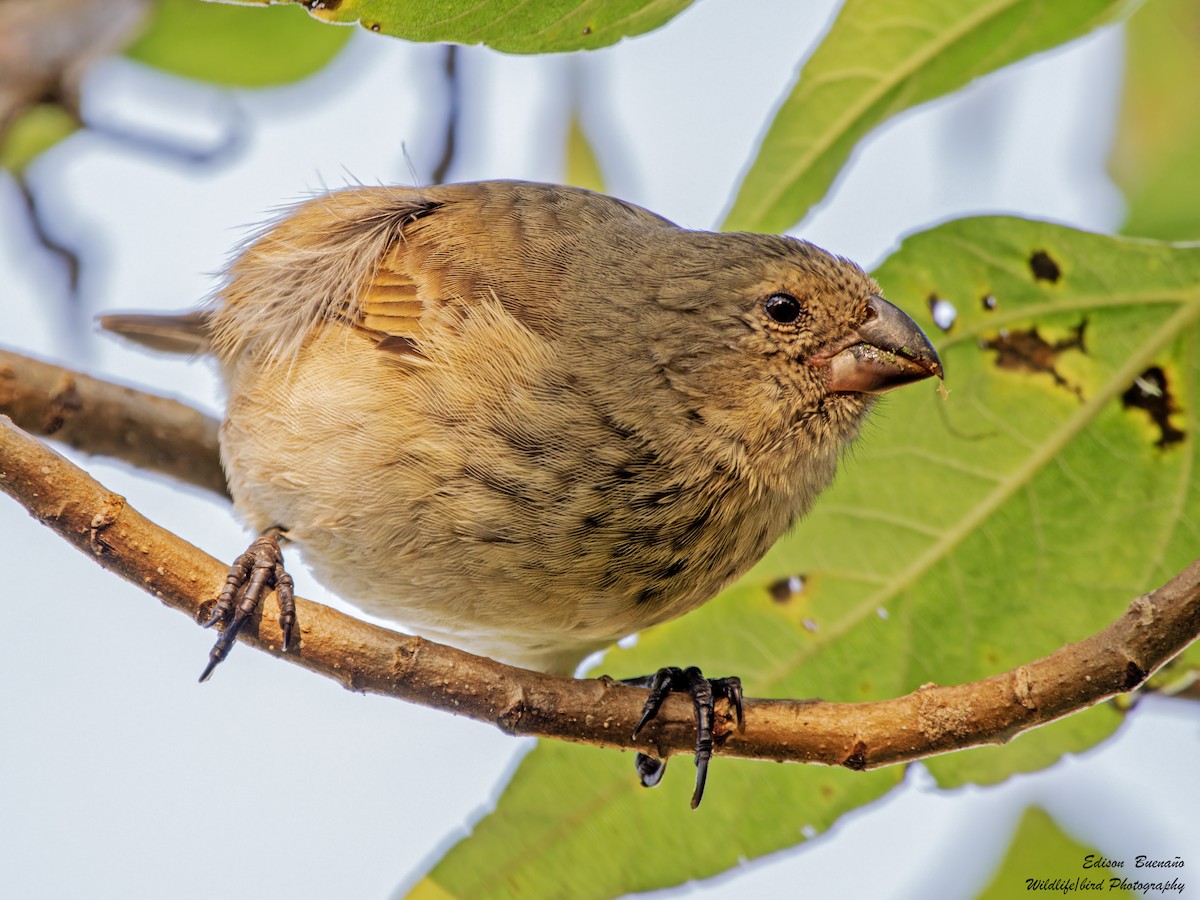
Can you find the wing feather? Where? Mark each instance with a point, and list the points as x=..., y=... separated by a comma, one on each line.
x=393, y=302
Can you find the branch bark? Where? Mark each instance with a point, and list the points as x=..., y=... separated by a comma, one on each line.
x=97, y=417
x=368, y=658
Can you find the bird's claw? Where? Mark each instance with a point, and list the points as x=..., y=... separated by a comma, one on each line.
x=257, y=570
x=704, y=692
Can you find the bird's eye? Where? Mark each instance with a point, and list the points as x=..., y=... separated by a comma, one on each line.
x=782, y=308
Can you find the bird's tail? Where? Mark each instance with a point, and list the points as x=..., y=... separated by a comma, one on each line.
x=188, y=332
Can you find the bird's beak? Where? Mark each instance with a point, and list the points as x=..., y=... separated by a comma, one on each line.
x=887, y=351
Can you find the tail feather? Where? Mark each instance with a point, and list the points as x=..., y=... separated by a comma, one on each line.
x=188, y=332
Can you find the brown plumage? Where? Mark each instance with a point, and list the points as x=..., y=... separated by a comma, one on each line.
x=527, y=420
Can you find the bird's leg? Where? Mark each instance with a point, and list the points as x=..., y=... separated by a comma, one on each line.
x=703, y=692
x=258, y=569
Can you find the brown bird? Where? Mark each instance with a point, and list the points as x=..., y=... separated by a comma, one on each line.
x=527, y=420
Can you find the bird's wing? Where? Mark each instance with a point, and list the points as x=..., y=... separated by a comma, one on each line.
x=491, y=249
x=394, y=299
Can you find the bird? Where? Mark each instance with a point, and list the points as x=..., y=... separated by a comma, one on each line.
x=527, y=420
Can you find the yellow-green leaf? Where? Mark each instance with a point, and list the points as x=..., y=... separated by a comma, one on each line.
x=963, y=537
x=238, y=47
x=880, y=58
x=583, y=168
x=1156, y=155
x=1045, y=861
x=515, y=26
x=575, y=823
x=35, y=130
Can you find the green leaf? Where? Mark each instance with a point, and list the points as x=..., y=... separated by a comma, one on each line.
x=35, y=130
x=963, y=537
x=514, y=26
x=1043, y=852
x=572, y=811
x=1032, y=751
x=880, y=58
x=1156, y=154
x=1178, y=678
x=236, y=47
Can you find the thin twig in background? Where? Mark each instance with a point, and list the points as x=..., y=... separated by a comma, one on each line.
x=67, y=256
x=453, y=114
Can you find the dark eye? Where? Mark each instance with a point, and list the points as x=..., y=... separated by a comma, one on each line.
x=782, y=308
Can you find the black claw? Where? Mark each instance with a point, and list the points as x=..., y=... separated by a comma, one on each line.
x=257, y=570
x=660, y=685
x=286, y=628
x=731, y=690
x=285, y=591
x=650, y=770
x=701, y=778
x=703, y=692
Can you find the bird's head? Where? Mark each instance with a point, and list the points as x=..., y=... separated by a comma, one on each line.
x=786, y=345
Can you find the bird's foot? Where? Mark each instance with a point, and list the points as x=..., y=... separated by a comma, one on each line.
x=704, y=692
x=257, y=570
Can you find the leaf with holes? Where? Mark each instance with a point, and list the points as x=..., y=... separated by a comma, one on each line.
x=880, y=58
x=963, y=537
x=515, y=26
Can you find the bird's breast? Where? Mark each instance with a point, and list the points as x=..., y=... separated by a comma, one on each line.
x=520, y=517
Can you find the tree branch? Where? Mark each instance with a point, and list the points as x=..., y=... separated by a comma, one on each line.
x=105, y=419
x=368, y=658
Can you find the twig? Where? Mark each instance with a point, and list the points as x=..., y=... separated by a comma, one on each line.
x=67, y=256
x=367, y=658
x=453, y=113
